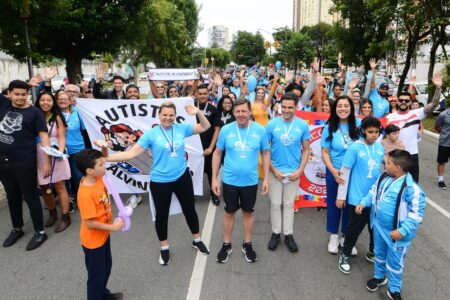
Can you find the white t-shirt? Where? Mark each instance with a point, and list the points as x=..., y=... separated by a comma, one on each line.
x=409, y=124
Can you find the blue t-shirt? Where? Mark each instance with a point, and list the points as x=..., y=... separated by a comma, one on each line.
x=167, y=168
x=74, y=138
x=241, y=161
x=285, y=150
x=363, y=174
x=380, y=105
x=338, y=146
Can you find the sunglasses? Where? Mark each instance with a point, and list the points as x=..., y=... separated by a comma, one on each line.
x=404, y=100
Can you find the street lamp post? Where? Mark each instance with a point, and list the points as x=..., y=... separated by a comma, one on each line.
x=26, y=10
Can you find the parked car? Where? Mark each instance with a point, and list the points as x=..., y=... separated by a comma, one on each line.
x=59, y=82
x=88, y=76
x=421, y=92
x=108, y=77
x=143, y=76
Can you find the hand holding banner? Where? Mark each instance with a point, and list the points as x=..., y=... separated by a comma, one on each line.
x=172, y=74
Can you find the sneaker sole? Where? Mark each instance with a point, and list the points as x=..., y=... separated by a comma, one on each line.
x=161, y=262
x=371, y=260
x=248, y=260
x=344, y=271
x=389, y=295
x=380, y=284
x=225, y=260
x=332, y=252
x=195, y=247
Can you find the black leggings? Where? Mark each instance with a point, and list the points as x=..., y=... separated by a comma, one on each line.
x=162, y=195
x=208, y=170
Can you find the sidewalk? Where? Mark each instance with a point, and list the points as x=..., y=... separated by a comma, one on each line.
x=2, y=195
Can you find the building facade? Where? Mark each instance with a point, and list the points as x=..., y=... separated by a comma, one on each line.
x=218, y=36
x=312, y=12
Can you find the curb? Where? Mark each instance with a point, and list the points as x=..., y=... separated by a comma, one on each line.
x=432, y=134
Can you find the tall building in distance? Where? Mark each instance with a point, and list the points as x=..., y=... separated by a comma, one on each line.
x=312, y=12
x=218, y=36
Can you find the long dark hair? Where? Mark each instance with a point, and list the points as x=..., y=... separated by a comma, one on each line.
x=220, y=103
x=334, y=120
x=55, y=111
x=361, y=104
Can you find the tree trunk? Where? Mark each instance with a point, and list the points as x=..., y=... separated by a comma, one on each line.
x=412, y=41
x=73, y=69
x=433, y=50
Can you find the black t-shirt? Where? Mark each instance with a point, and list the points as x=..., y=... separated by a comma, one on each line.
x=18, y=130
x=213, y=116
x=226, y=118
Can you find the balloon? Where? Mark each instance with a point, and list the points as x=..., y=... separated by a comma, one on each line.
x=278, y=64
x=251, y=83
x=124, y=211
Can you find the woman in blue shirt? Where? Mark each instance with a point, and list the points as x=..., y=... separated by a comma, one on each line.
x=337, y=136
x=169, y=172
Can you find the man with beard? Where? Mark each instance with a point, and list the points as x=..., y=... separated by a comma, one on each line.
x=209, y=137
x=378, y=96
x=132, y=92
x=409, y=122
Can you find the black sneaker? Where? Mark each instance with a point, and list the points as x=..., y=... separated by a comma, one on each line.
x=200, y=246
x=164, y=257
x=224, y=253
x=13, y=237
x=249, y=254
x=442, y=185
x=114, y=296
x=290, y=243
x=274, y=241
x=215, y=199
x=71, y=205
x=370, y=257
x=373, y=284
x=36, y=241
x=394, y=296
x=344, y=264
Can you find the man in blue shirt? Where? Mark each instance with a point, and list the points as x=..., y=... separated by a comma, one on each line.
x=289, y=152
x=378, y=96
x=242, y=141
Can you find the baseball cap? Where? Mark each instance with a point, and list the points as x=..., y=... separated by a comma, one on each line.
x=384, y=85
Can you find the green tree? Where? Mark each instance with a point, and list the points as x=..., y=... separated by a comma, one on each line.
x=161, y=36
x=67, y=29
x=190, y=11
x=247, y=48
x=323, y=41
x=221, y=57
x=299, y=48
x=362, y=31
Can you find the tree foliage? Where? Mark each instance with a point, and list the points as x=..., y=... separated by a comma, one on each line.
x=66, y=29
x=321, y=36
x=299, y=48
x=221, y=57
x=247, y=48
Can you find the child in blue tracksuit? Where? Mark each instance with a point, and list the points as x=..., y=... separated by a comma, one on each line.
x=398, y=205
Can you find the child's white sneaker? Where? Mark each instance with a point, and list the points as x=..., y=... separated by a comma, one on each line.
x=333, y=244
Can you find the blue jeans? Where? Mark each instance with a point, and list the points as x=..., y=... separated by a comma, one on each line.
x=334, y=214
x=75, y=177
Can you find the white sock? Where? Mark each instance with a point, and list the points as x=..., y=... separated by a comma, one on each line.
x=165, y=247
x=42, y=232
x=440, y=178
x=197, y=240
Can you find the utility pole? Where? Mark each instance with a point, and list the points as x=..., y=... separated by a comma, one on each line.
x=26, y=10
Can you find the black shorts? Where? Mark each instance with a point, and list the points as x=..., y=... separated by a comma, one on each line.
x=443, y=154
x=236, y=197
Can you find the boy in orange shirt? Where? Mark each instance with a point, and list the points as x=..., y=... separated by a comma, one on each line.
x=96, y=224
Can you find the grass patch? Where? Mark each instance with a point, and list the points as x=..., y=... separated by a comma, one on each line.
x=428, y=124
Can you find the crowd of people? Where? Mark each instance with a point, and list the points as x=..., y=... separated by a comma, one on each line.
x=249, y=132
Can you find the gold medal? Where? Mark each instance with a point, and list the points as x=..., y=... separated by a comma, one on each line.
x=49, y=191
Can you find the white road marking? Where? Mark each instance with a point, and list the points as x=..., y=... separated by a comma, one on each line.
x=195, y=286
x=438, y=207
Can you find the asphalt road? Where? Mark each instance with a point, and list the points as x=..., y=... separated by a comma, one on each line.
x=56, y=270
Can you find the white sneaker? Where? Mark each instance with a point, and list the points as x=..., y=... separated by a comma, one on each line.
x=134, y=200
x=333, y=245
x=341, y=243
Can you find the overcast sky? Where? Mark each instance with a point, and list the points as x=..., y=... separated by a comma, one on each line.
x=247, y=15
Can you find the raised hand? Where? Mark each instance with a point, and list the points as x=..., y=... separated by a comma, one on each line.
x=315, y=66
x=437, y=79
x=191, y=109
x=373, y=63
x=35, y=80
x=353, y=83
x=99, y=73
x=49, y=73
x=218, y=79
